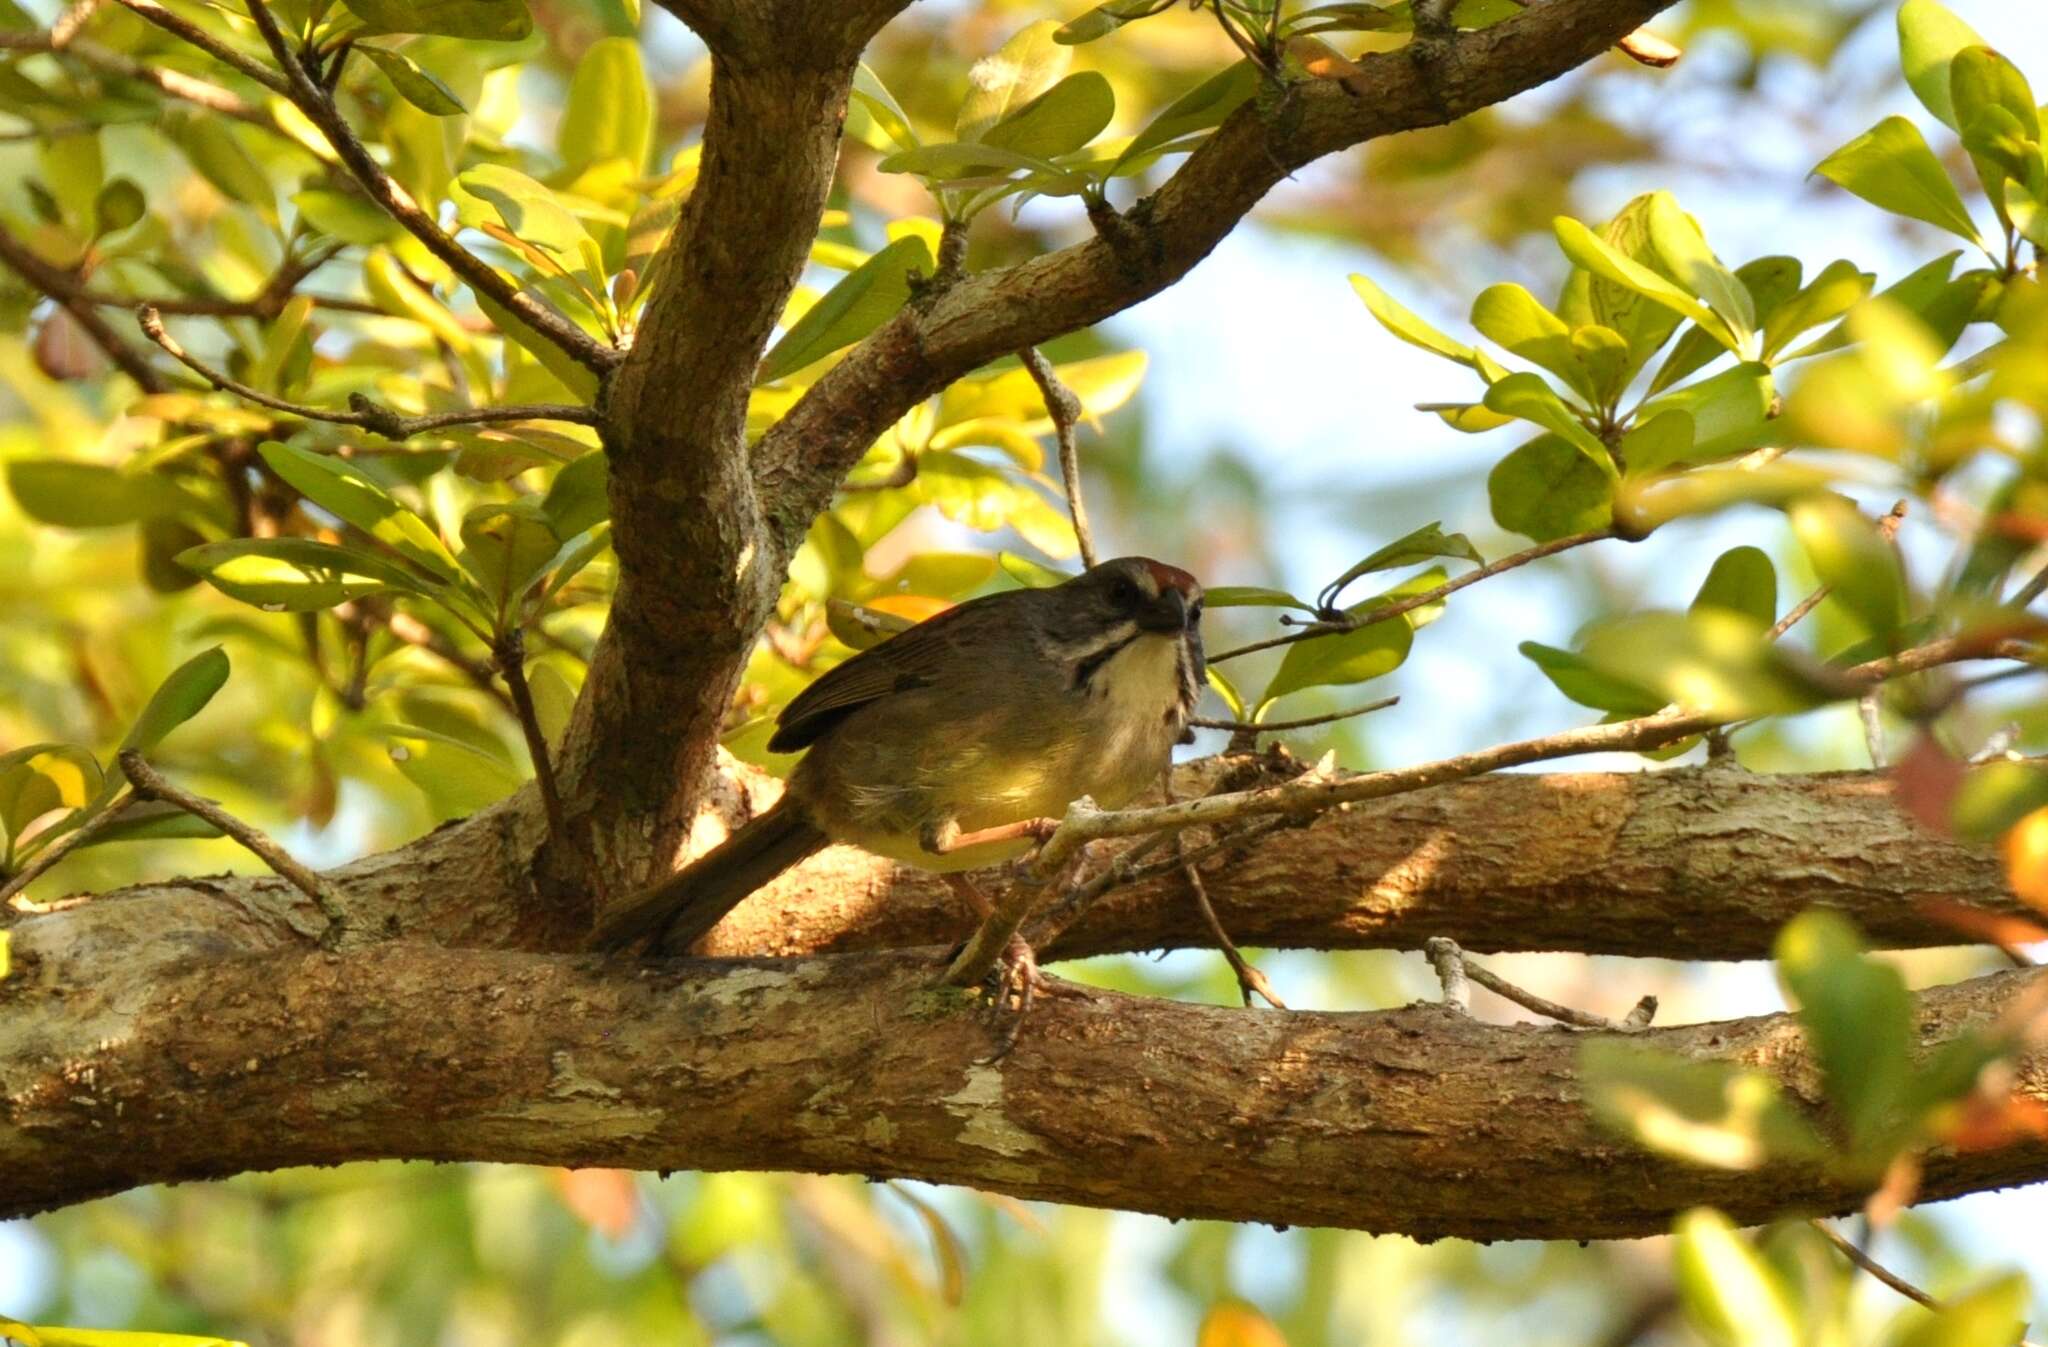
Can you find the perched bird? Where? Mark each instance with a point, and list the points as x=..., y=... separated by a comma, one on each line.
x=947, y=745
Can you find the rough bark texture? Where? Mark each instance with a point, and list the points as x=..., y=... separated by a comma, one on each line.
x=1416, y=1120
x=189, y=1029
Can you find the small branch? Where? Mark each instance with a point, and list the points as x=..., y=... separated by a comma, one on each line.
x=1064, y=409
x=318, y=105
x=206, y=42
x=68, y=291
x=150, y=785
x=903, y=474
x=362, y=412
x=1887, y=526
x=1250, y=980
x=266, y=303
x=1453, y=965
x=977, y=959
x=62, y=847
x=1870, y=710
x=1305, y=722
x=1414, y=601
x=511, y=653
x=1303, y=796
x=1873, y=1267
x=1445, y=957
x=2033, y=589
x=411, y=631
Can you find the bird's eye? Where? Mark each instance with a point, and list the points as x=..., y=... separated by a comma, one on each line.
x=1126, y=592
x=1195, y=613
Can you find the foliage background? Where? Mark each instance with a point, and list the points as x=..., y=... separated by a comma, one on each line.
x=1270, y=442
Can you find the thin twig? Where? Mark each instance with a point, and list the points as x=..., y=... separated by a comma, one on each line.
x=1870, y=710
x=1250, y=980
x=206, y=42
x=362, y=412
x=319, y=106
x=1450, y=968
x=268, y=302
x=413, y=632
x=1305, y=722
x=1065, y=410
x=1408, y=604
x=149, y=784
x=2031, y=590
x=1873, y=1267
x=69, y=22
x=511, y=653
x=1888, y=527
x=63, y=846
x=67, y=290
x=1445, y=952
x=1304, y=796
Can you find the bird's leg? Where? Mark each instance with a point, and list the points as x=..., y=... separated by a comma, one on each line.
x=995, y=951
x=948, y=837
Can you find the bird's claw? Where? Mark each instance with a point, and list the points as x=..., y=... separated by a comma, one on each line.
x=1013, y=985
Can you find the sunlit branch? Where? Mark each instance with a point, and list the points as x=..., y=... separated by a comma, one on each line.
x=362, y=412
x=68, y=292
x=1064, y=409
x=319, y=106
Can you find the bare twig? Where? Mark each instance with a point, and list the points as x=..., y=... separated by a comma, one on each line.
x=267, y=302
x=362, y=412
x=208, y=43
x=413, y=632
x=1065, y=410
x=1887, y=526
x=69, y=22
x=1870, y=710
x=1304, y=796
x=1449, y=963
x=1305, y=722
x=68, y=291
x=1855, y=1255
x=149, y=784
x=511, y=654
x=1445, y=954
x=319, y=106
x=977, y=959
x=1413, y=601
x=1250, y=980
x=2031, y=590
x=63, y=846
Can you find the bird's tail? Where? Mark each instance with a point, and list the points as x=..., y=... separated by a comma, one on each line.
x=672, y=915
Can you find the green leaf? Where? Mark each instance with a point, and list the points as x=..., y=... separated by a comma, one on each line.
x=1107, y=18
x=1587, y=685
x=457, y=778
x=493, y=193
x=1691, y=263
x=1929, y=38
x=1422, y=544
x=1527, y=396
x=295, y=575
x=483, y=20
x=610, y=112
x=1891, y=167
x=1838, y=288
x=1710, y=661
x=1730, y=1294
x=1770, y=282
x=1225, y=689
x=955, y=160
x=1852, y=558
x=1990, y=1316
x=1658, y=442
x=1407, y=326
x=579, y=379
x=1252, y=596
x=1609, y=263
x=2001, y=128
x=577, y=498
x=1730, y=412
x=1549, y=488
x=891, y=126
x=76, y=495
x=865, y=298
x=181, y=696
x=1997, y=795
x=1032, y=574
x=149, y=821
x=1919, y=291
x=119, y=205
x=417, y=85
x=217, y=152
x=1712, y=1113
x=1019, y=71
x=1354, y=656
x=345, y=215
x=1858, y=1017
x=1059, y=121
x=1743, y=582
x=1512, y=317
x=1199, y=109
x=505, y=549
x=40, y=778
x=1592, y=299
x=346, y=492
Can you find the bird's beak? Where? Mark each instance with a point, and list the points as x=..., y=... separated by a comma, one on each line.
x=1168, y=614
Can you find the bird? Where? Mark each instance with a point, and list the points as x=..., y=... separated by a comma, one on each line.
x=952, y=744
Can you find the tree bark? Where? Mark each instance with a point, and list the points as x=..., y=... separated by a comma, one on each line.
x=1419, y=1120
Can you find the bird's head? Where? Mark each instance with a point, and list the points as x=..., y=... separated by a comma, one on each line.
x=1158, y=598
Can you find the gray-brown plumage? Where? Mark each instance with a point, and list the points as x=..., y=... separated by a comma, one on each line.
x=1003, y=709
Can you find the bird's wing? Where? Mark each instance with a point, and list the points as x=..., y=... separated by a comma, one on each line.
x=909, y=659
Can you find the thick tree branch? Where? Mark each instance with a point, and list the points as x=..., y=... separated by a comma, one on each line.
x=1415, y=1120
x=68, y=292
x=987, y=315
